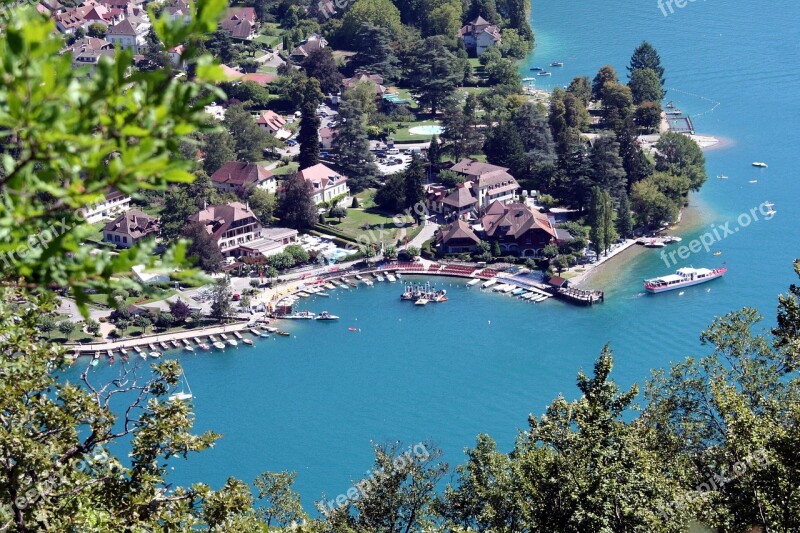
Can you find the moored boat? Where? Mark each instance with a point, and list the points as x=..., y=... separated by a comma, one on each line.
x=219, y=346
x=684, y=277
x=326, y=316
x=248, y=342
x=300, y=315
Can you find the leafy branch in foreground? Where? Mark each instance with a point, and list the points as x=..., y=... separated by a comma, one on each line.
x=68, y=138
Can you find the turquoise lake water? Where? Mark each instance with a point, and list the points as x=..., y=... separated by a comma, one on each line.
x=482, y=362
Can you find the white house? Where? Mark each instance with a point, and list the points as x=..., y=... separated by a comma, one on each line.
x=479, y=35
x=238, y=177
x=130, y=33
x=326, y=183
x=114, y=203
x=490, y=183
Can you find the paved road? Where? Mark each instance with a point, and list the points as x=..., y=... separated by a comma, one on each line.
x=427, y=232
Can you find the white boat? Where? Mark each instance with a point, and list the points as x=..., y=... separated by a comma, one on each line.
x=188, y=348
x=301, y=315
x=557, y=64
x=247, y=342
x=326, y=316
x=323, y=293
x=722, y=177
x=233, y=342
x=653, y=243
x=544, y=73
x=421, y=301
x=753, y=181
x=219, y=346
x=489, y=283
x=391, y=277
x=359, y=277
x=379, y=278
x=528, y=79
x=204, y=346
x=473, y=282
x=155, y=355
x=182, y=396
x=684, y=277
x=760, y=164
x=368, y=282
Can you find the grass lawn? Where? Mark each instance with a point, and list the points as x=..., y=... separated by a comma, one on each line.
x=266, y=69
x=371, y=224
x=366, y=198
x=403, y=135
x=159, y=295
x=284, y=170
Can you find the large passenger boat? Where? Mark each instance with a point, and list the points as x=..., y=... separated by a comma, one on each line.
x=684, y=277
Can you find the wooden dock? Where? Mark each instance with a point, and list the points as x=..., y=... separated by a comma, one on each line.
x=580, y=296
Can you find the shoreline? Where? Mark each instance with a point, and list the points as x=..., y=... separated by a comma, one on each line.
x=691, y=218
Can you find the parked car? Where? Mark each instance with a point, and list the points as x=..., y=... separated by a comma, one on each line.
x=324, y=154
x=237, y=297
x=291, y=142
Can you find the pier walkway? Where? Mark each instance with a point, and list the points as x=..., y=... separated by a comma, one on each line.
x=189, y=334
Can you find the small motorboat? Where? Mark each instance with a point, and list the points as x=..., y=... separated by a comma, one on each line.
x=204, y=346
x=326, y=316
x=654, y=244
x=323, y=293
x=188, y=348
x=674, y=112
x=247, y=342
x=528, y=79
x=536, y=68
x=670, y=105
x=753, y=181
x=545, y=73
x=219, y=346
x=722, y=177
x=232, y=342
x=421, y=301
x=263, y=334
x=557, y=64
x=717, y=253
x=352, y=329
x=155, y=355
x=283, y=333
x=760, y=164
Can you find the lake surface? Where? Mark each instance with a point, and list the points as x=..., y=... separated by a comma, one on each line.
x=480, y=363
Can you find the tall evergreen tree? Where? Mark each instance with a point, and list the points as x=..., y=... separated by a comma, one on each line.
x=634, y=161
x=607, y=169
x=374, y=53
x=605, y=75
x=645, y=56
x=435, y=76
x=352, y=145
x=296, y=208
x=308, y=136
x=504, y=147
x=414, y=177
x=624, y=217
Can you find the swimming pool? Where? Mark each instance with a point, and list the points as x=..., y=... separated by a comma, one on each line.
x=426, y=130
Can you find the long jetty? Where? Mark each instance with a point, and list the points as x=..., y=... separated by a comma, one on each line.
x=150, y=340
